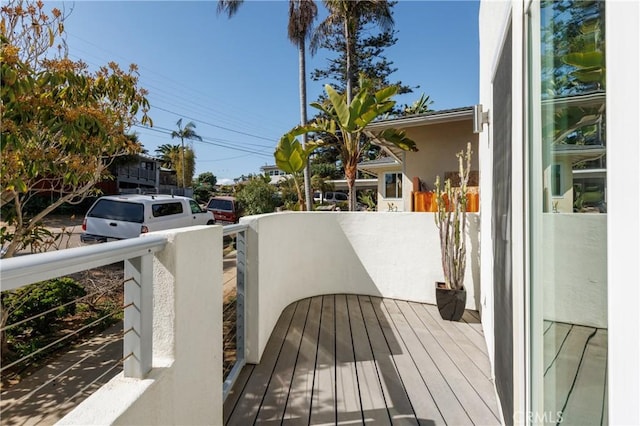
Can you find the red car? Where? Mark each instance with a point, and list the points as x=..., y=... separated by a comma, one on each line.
x=225, y=209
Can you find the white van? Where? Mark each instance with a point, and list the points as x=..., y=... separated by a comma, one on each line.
x=116, y=217
x=335, y=197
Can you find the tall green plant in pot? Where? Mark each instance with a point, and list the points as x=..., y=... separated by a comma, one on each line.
x=451, y=220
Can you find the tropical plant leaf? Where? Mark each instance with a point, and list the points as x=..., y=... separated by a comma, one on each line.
x=399, y=139
x=289, y=155
x=342, y=111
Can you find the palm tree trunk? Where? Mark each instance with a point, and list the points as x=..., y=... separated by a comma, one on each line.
x=349, y=50
x=182, y=140
x=303, y=118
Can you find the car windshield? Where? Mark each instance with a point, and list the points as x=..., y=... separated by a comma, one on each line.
x=219, y=204
x=118, y=210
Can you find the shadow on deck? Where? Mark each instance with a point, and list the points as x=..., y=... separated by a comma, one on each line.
x=347, y=359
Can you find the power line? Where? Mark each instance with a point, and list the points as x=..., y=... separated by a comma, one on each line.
x=215, y=125
x=205, y=140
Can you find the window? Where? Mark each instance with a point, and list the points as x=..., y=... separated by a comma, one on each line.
x=393, y=185
x=118, y=210
x=195, y=207
x=166, y=209
x=568, y=254
x=556, y=187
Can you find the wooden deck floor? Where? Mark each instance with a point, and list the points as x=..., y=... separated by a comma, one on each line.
x=575, y=377
x=346, y=359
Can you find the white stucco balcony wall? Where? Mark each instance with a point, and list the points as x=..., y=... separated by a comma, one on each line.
x=575, y=268
x=185, y=383
x=291, y=256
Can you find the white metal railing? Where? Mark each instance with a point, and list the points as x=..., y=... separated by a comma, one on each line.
x=240, y=231
x=137, y=254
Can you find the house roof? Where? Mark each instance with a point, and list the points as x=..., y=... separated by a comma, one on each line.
x=579, y=153
x=372, y=166
x=424, y=119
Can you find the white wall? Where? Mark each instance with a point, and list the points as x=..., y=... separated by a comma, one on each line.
x=493, y=18
x=623, y=195
x=291, y=256
x=437, y=145
x=185, y=383
x=575, y=268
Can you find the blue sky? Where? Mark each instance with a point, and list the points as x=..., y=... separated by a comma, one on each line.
x=237, y=79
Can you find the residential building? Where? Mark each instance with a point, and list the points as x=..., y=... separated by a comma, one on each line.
x=438, y=135
x=274, y=172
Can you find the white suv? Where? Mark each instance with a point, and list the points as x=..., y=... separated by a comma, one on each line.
x=335, y=197
x=116, y=217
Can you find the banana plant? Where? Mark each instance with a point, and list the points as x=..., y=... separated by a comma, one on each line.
x=345, y=126
x=291, y=157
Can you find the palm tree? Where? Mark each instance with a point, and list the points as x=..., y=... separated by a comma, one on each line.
x=348, y=14
x=302, y=13
x=185, y=133
x=168, y=154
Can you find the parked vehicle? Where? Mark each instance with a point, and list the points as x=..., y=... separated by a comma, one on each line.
x=224, y=208
x=335, y=197
x=116, y=217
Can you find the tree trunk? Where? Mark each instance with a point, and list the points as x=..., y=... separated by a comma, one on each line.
x=303, y=120
x=349, y=51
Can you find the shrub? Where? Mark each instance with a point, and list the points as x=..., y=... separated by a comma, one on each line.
x=40, y=297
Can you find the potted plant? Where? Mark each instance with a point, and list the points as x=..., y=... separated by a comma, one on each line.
x=451, y=220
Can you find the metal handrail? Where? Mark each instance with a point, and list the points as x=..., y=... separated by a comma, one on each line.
x=22, y=270
x=234, y=229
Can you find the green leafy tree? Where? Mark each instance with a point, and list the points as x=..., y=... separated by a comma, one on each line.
x=346, y=126
x=349, y=16
x=369, y=54
x=62, y=126
x=302, y=13
x=257, y=197
x=204, y=186
x=187, y=155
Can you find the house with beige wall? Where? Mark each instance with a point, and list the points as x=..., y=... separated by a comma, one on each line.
x=438, y=135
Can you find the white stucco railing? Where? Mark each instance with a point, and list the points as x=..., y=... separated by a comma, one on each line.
x=287, y=257
x=137, y=255
x=173, y=300
x=295, y=255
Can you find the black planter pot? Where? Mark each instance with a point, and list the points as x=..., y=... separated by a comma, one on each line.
x=450, y=302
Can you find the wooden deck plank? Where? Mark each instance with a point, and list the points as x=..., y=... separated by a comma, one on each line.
x=428, y=353
x=558, y=379
x=323, y=400
x=471, y=344
x=478, y=371
x=553, y=339
x=299, y=402
x=347, y=396
x=355, y=355
x=246, y=410
x=374, y=405
x=385, y=347
x=461, y=362
x=473, y=331
x=275, y=399
x=586, y=401
x=416, y=368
